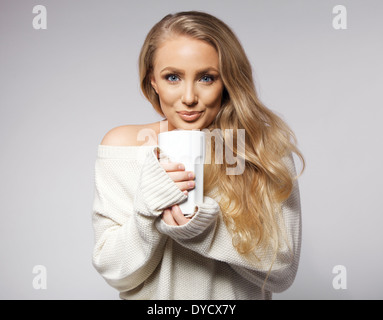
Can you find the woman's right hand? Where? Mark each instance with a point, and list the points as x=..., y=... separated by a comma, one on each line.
x=183, y=179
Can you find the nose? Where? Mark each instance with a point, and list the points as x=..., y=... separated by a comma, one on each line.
x=189, y=96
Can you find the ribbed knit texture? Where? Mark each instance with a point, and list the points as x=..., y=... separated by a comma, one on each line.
x=144, y=258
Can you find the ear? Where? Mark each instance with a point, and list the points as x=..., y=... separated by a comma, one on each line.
x=153, y=83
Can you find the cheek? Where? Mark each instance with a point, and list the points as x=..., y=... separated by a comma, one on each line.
x=168, y=95
x=212, y=98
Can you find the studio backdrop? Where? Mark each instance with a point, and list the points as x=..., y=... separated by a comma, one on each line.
x=69, y=74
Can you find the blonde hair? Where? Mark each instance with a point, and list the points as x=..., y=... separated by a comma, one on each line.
x=250, y=202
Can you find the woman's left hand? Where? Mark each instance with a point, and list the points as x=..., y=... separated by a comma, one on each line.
x=173, y=216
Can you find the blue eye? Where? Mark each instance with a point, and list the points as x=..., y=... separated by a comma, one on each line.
x=207, y=78
x=172, y=78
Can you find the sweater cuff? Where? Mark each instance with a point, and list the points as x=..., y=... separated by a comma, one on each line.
x=157, y=191
x=206, y=214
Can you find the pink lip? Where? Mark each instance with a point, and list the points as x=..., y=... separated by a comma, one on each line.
x=190, y=116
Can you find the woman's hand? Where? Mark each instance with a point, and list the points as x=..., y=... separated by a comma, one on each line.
x=173, y=216
x=185, y=181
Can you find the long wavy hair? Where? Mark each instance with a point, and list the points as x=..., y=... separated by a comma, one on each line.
x=250, y=202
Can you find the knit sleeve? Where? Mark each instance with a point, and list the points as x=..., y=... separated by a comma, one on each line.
x=129, y=196
x=207, y=234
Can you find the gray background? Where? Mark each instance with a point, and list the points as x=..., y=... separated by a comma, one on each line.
x=63, y=88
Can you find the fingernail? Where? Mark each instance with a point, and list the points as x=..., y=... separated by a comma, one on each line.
x=191, y=183
x=191, y=175
x=181, y=167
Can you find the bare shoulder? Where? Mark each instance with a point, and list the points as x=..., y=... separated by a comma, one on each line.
x=131, y=135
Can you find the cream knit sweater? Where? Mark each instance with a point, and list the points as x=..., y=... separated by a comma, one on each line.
x=144, y=258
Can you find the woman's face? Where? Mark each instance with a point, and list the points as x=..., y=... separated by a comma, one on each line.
x=187, y=80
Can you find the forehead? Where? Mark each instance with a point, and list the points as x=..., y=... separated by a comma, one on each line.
x=186, y=52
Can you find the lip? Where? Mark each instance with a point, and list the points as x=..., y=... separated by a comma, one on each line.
x=189, y=115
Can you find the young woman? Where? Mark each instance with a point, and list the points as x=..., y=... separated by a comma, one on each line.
x=244, y=240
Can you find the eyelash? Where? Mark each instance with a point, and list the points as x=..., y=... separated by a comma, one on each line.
x=171, y=75
x=168, y=76
x=208, y=76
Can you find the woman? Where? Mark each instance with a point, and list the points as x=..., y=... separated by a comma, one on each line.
x=244, y=240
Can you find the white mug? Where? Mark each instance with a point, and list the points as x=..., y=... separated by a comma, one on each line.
x=187, y=147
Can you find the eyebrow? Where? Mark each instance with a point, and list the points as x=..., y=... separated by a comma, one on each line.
x=181, y=72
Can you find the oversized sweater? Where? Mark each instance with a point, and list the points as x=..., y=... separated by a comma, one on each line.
x=141, y=256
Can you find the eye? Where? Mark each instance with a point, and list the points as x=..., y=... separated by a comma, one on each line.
x=172, y=78
x=207, y=78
